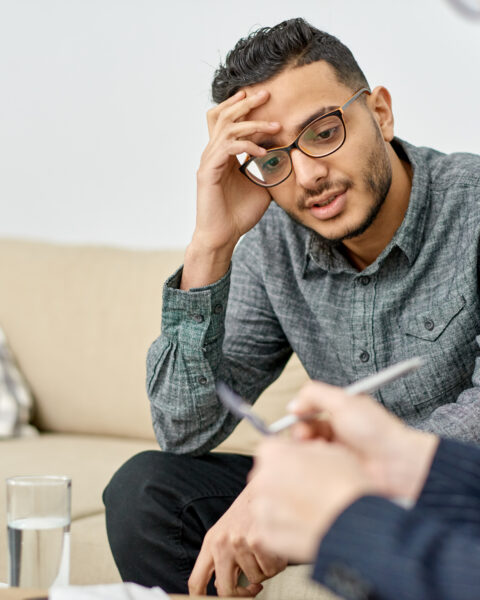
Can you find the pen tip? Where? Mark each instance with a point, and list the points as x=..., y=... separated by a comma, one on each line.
x=418, y=361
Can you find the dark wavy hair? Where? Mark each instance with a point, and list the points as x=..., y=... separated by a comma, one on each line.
x=269, y=50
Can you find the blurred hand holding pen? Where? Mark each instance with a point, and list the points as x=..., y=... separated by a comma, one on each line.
x=367, y=385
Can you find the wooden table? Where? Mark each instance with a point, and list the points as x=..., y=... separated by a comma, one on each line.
x=22, y=594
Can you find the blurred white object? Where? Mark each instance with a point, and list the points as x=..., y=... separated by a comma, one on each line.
x=116, y=591
x=469, y=8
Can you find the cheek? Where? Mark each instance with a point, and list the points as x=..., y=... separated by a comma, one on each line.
x=358, y=146
x=285, y=193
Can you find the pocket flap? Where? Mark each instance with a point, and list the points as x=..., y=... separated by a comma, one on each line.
x=429, y=324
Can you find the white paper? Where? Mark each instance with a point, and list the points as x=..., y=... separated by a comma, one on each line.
x=116, y=591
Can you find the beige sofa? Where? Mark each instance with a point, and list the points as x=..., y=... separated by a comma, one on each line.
x=79, y=321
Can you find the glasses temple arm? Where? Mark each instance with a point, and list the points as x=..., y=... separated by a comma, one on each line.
x=354, y=97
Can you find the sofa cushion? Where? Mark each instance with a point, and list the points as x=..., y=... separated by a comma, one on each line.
x=88, y=315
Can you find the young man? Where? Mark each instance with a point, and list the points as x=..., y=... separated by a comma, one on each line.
x=360, y=250
x=362, y=544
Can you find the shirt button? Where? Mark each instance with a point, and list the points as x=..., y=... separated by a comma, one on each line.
x=202, y=380
x=429, y=324
x=364, y=356
x=365, y=280
x=198, y=318
x=218, y=309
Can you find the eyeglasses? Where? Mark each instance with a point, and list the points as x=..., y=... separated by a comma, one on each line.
x=321, y=137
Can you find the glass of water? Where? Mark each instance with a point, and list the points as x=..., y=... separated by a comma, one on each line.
x=38, y=520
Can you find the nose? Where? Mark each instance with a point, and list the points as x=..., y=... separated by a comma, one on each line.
x=308, y=171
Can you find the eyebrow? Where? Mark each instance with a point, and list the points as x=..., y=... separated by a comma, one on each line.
x=271, y=143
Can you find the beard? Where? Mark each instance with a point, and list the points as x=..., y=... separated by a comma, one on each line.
x=377, y=178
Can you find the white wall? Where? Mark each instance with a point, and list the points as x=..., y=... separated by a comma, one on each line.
x=99, y=100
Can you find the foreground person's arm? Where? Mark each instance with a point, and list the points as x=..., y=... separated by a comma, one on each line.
x=315, y=503
x=366, y=545
x=432, y=552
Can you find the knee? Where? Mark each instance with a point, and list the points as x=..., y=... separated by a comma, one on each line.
x=140, y=485
x=128, y=485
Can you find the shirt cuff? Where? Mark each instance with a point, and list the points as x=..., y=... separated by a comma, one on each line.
x=195, y=317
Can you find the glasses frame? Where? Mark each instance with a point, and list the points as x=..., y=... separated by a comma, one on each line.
x=337, y=112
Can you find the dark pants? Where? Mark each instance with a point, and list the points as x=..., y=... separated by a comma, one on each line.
x=159, y=507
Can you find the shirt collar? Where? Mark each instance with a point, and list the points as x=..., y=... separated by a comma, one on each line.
x=408, y=237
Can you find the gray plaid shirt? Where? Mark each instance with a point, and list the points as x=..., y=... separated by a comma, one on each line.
x=287, y=292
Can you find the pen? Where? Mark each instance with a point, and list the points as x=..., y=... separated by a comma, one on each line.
x=367, y=385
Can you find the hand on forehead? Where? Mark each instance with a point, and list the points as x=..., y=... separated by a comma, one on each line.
x=297, y=94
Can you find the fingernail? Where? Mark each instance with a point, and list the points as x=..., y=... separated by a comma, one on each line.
x=261, y=93
x=274, y=124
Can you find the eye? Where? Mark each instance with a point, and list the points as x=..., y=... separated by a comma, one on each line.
x=327, y=133
x=327, y=130
x=272, y=163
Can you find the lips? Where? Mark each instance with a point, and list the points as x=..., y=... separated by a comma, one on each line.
x=325, y=199
x=328, y=206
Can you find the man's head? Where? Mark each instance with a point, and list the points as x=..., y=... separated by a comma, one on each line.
x=306, y=71
x=270, y=50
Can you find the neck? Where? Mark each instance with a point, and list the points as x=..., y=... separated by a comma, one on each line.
x=364, y=249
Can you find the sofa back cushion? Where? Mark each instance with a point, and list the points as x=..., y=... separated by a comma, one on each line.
x=80, y=320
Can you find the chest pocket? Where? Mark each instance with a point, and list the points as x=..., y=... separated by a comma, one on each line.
x=430, y=324
x=444, y=334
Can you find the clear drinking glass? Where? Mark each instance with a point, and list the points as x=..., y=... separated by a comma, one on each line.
x=38, y=521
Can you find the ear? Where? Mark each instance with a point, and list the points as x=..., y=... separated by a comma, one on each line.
x=380, y=103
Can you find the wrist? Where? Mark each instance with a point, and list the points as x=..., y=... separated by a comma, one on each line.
x=410, y=463
x=204, y=265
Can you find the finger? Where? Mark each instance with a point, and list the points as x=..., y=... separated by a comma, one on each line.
x=308, y=430
x=213, y=113
x=247, y=128
x=217, y=157
x=254, y=588
x=237, y=147
x=226, y=576
x=240, y=109
x=269, y=562
x=250, y=567
x=242, y=592
x=201, y=573
x=318, y=396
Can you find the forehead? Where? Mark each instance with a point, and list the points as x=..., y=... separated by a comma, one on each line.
x=298, y=92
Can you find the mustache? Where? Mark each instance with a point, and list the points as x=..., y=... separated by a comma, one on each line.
x=325, y=186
